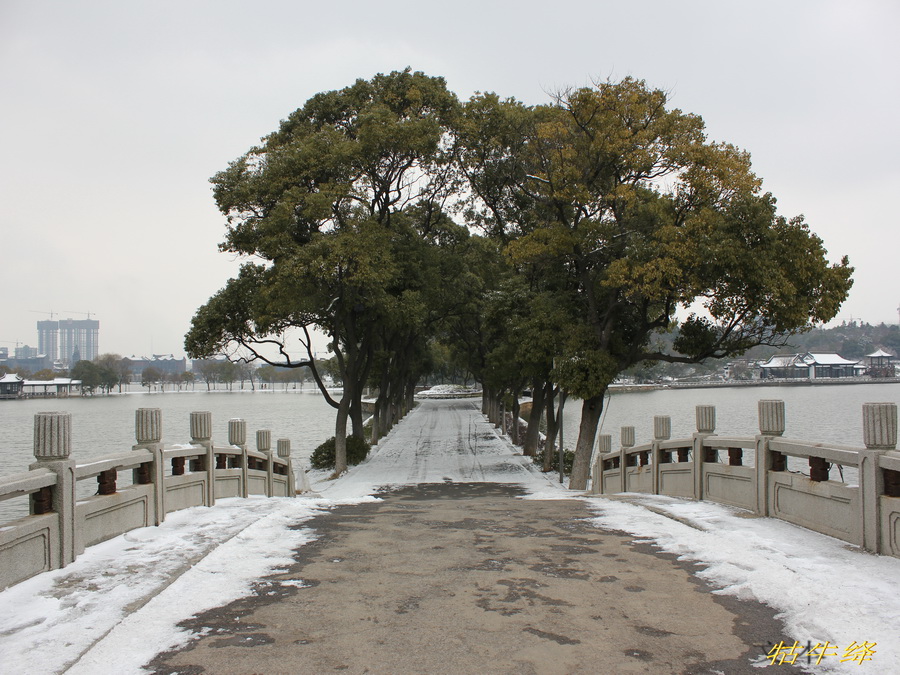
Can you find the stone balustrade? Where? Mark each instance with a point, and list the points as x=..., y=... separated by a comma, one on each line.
x=164, y=479
x=766, y=473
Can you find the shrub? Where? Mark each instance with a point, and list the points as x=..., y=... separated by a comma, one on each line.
x=323, y=456
x=568, y=460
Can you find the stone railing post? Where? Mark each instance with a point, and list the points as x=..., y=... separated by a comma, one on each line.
x=148, y=436
x=284, y=452
x=264, y=445
x=237, y=433
x=706, y=426
x=879, y=436
x=52, y=450
x=662, y=431
x=237, y=436
x=604, y=445
x=771, y=425
x=201, y=434
x=627, y=438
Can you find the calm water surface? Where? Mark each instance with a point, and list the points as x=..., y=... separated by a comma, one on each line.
x=821, y=413
x=105, y=424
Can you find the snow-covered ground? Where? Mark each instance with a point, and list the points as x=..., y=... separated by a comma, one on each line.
x=120, y=602
x=449, y=391
x=824, y=590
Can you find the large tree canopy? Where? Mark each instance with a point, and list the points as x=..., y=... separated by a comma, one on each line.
x=336, y=210
x=605, y=218
x=624, y=206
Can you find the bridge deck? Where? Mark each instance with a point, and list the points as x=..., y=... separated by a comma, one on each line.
x=469, y=578
x=450, y=572
x=454, y=573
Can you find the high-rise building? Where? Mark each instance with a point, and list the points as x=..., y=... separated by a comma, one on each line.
x=48, y=339
x=67, y=338
x=78, y=335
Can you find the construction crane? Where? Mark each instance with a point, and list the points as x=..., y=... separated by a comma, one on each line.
x=71, y=311
x=51, y=313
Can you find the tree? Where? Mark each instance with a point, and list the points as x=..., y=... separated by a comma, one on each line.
x=320, y=203
x=89, y=374
x=617, y=202
x=45, y=374
x=605, y=213
x=111, y=372
x=151, y=376
x=208, y=371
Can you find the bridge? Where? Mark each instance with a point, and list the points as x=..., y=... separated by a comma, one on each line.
x=468, y=560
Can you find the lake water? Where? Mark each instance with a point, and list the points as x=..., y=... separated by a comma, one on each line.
x=105, y=424
x=822, y=413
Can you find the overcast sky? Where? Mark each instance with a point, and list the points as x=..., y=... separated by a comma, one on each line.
x=114, y=115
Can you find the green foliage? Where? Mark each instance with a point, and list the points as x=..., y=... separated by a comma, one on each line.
x=568, y=460
x=323, y=456
x=89, y=374
x=605, y=215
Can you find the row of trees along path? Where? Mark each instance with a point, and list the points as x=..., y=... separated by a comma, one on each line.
x=542, y=246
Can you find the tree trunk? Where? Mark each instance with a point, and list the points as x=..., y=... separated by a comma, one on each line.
x=356, y=417
x=553, y=415
x=375, y=425
x=533, y=430
x=591, y=409
x=514, y=429
x=340, y=435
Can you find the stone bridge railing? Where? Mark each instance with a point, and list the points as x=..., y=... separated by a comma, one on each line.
x=62, y=525
x=754, y=473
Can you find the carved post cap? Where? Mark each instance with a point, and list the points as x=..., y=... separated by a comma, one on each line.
x=627, y=437
x=706, y=419
x=284, y=447
x=264, y=440
x=52, y=435
x=662, y=427
x=880, y=426
x=604, y=443
x=771, y=417
x=148, y=425
x=237, y=432
x=201, y=426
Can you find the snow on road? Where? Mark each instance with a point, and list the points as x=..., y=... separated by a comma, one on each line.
x=120, y=602
x=440, y=441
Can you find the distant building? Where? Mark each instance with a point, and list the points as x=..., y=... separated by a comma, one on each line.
x=79, y=336
x=11, y=386
x=68, y=340
x=48, y=338
x=28, y=359
x=809, y=366
x=26, y=352
x=880, y=364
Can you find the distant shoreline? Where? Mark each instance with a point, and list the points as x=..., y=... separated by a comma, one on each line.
x=628, y=388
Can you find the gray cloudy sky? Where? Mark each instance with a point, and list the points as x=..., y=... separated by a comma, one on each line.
x=113, y=116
